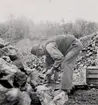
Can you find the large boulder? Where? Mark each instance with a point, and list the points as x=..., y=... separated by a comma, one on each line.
x=11, y=51
x=20, y=79
x=15, y=56
x=3, y=43
x=7, y=72
x=14, y=96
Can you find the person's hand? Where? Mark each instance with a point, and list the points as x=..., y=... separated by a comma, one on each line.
x=50, y=72
x=48, y=75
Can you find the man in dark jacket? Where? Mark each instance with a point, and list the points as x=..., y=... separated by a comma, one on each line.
x=60, y=51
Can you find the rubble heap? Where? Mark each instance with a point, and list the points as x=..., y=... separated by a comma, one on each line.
x=29, y=82
x=87, y=57
x=88, y=54
x=15, y=85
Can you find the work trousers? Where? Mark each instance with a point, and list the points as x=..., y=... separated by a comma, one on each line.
x=67, y=65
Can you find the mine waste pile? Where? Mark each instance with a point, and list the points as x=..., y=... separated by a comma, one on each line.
x=88, y=57
x=22, y=83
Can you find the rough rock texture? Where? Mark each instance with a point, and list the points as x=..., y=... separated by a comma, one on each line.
x=35, y=90
x=87, y=57
x=84, y=97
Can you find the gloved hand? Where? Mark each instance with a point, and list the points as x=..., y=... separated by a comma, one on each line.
x=50, y=72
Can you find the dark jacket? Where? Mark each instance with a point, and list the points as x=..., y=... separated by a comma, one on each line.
x=56, y=49
x=62, y=41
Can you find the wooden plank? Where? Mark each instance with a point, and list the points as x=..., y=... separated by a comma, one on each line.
x=92, y=79
x=92, y=68
x=92, y=76
x=94, y=83
x=92, y=71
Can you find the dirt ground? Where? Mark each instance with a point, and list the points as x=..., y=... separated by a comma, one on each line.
x=84, y=97
x=80, y=97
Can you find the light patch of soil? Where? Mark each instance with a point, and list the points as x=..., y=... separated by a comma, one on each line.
x=84, y=97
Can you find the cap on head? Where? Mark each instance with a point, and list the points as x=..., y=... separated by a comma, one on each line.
x=34, y=49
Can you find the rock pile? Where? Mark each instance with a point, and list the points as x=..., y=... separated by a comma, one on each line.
x=19, y=84
x=15, y=85
x=87, y=57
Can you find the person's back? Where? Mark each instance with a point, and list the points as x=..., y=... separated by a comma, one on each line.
x=62, y=41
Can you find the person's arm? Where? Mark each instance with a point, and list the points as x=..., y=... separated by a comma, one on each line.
x=56, y=55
